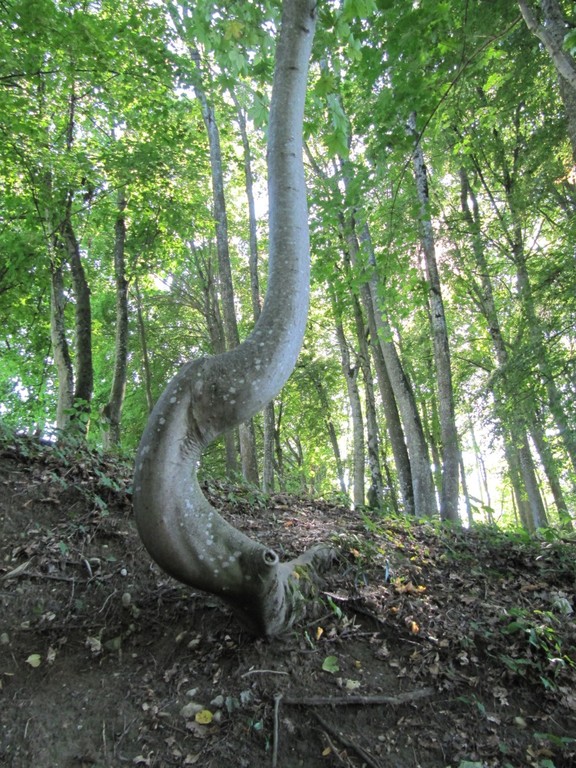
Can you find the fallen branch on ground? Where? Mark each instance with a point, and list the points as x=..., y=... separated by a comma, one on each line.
x=340, y=701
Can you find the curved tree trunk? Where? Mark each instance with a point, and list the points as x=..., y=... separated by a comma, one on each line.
x=181, y=530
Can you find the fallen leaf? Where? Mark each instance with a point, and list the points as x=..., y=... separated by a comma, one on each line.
x=330, y=664
x=204, y=717
x=34, y=660
x=409, y=588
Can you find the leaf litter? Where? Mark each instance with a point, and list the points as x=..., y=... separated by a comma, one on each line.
x=431, y=646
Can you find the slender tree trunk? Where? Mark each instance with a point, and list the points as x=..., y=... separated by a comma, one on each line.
x=466, y=494
x=549, y=465
x=565, y=427
x=446, y=411
x=112, y=411
x=268, y=450
x=485, y=496
x=278, y=451
x=420, y=467
x=246, y=431
x=217, y=336
x=268, y=457
x=376, y=490
x=389, y=405
x=84, y=379
x=147, y=377
x=391, y=415
x=60, y=348
x=517, y=448
x=325, y=403
x=351, y=377
x=226, y=286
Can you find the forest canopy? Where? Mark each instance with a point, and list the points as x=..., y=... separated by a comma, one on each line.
x=437, y=375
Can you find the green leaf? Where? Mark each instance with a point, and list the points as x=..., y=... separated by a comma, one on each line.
x=330, y=664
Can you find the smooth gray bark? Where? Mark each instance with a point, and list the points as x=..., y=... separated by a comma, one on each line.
x=181, y=530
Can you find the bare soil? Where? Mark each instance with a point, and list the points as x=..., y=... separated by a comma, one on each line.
x=429, y=647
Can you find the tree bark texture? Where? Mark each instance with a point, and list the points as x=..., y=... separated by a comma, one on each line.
x=181, y=530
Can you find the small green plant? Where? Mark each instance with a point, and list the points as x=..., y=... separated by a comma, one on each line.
x=538, y=647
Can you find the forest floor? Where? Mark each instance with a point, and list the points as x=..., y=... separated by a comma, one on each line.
x=433, y=646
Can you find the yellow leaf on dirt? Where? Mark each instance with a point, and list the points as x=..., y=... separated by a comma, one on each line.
x=414, y=628
x=319, y=633
x=204, y=717
x=34, y=660
x=409, y=588
x=326, y=751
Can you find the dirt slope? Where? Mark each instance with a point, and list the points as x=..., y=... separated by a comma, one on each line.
x=430, y=648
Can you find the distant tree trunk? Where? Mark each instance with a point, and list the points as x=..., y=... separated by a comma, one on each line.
x=226, y=286
x=549, y=466
x=446, y=411
x=466, y=494
x=376, y=490
x=251, y=467
x=389, y=405
x=112, y=411
x=516, y=445
x=84, y=380
x=485, y=496
x=211, y=310
x=278, y=452
x=565, y=427
x=327, y=410
x=144, y=348
x=246, y=431
x=268, y=457
x=350, y=372
x=420, y=467
x=60, y=349
x=393, y=424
